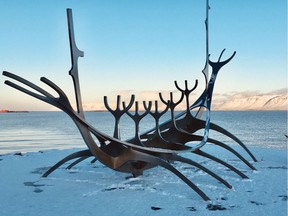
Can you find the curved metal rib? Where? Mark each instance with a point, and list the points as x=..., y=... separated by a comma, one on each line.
x=204, y=154
x=233, y=137
x=77, y=161
x=174, y=157
x=223, y=145
x=195, y=164
x=192, y=124
x=169, y=167
x=72, y=156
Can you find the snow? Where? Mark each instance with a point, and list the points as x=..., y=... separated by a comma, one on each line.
x=93, y=189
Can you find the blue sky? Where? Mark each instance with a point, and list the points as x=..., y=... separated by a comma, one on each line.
x=141, y=47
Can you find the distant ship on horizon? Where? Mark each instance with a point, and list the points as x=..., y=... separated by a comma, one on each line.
x=4, y=111
x=9, y=111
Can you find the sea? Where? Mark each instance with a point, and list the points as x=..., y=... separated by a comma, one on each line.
x=38, y=131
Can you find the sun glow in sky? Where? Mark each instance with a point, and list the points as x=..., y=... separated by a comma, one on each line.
x=140, y=47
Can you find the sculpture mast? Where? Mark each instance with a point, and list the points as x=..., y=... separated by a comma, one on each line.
x=205, y=71
x=75, y=54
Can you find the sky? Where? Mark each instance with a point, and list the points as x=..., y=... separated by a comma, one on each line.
x=140, y=47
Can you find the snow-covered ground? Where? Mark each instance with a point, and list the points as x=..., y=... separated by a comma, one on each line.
x=93, y=189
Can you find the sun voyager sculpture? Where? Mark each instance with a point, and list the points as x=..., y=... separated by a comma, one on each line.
x=161, y=145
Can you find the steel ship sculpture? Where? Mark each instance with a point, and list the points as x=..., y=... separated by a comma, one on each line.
x=163, y=144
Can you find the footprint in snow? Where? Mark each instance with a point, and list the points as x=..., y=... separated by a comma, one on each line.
x=155, y=208
x=191, y=209
x=283, y=197
x=256, y=203
x=212, y=207
x=35, y=185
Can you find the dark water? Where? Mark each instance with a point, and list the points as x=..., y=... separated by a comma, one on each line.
x=34, y=131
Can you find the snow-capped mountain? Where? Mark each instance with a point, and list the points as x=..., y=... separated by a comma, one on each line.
x=270, y=101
